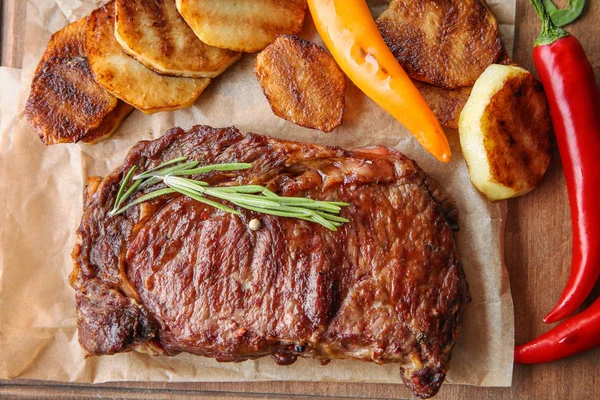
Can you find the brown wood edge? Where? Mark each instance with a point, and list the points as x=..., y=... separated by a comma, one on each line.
x=12, y=27
x=2, y=23
x=34, y=389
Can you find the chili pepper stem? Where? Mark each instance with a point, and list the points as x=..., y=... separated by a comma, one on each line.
x=550, y=32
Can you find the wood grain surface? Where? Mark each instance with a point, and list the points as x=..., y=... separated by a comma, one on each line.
x=537, y=250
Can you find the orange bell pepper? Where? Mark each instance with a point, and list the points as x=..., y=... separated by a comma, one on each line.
x=352, y=37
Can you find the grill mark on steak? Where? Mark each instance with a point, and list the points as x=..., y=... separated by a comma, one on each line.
x=175, y=275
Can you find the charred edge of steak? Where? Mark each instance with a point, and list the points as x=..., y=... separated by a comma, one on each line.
x=425, y=383
x=113, y=318
x=447, y=205
x=109, y=322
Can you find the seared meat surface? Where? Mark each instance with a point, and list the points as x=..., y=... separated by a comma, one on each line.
x=175, y=275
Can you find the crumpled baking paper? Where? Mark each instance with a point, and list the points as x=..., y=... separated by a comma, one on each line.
x=41, y=205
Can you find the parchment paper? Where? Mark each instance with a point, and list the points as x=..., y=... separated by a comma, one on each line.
x=41, y=205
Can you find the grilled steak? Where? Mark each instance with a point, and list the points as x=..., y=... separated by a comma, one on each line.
x=174, y=275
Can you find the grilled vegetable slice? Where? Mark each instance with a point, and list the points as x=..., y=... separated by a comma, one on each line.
x=66, y=105
x=447, y=43
x=156, y=35
x=446, y=104
x=505, y=132
x=303, y=83
x=242, y=25
x=129, y=80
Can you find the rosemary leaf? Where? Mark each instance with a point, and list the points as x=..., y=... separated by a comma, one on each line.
x=339, y=203
x=131, y=191
x=199, y=198
x=269, y=194
x=166, y=171
x=149, y=182
x=272, y=212
x=313, y=215
x=185, y=183
x=253, y=200
x=327, y=224
x=298, y=210
x=312, y=205
x=143, y=199
x=322, y=206
x=295, y=201
x=332, y=217
x=166, y=164
x=247, y=189
x=124, y=184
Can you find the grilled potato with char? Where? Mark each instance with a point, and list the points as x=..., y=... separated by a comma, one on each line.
x=66, y=105
x=446, y=43
x=243, y=25
x=303, y=83
x=505, y=131
x=446, y=104
x=129, y=80
x=154, y=33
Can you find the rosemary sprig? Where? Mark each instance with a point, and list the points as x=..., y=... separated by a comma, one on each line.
x=257, y=198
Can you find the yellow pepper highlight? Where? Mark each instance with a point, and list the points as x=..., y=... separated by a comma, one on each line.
x=352, y=37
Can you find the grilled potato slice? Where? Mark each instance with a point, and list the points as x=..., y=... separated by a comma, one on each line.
x=303, y=83
x=111, y=123
x=129, y=80
x=243, y=25
x=66, y=105
x=505, y=132
x=447, y=43
x=446, y=104
x=156, y=35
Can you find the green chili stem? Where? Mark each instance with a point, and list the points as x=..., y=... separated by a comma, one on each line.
x=550, y=32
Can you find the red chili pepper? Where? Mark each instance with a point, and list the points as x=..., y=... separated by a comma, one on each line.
x=575, y=335
x=574, y=97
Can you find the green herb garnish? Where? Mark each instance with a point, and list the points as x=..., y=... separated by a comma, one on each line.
x=257, y=198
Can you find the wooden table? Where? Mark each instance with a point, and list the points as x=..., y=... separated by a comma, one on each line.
x=538, y=254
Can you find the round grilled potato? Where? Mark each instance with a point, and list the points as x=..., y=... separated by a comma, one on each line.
x=65, y=104
x=242, y=25
x=303, y=83
x=447, y=43
x=505, y=130
x=155, y=34
x=129, y=80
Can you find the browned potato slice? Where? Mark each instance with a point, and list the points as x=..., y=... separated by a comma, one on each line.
x=156, y=35
x=242, y=25
x=303, y=83
x=111, y=123
x=66, y=105
x=129, y=80
x=446, y=104
x=448, y=43
x=505, y=131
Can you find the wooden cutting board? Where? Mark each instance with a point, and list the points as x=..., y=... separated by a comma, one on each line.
x=537, y=250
